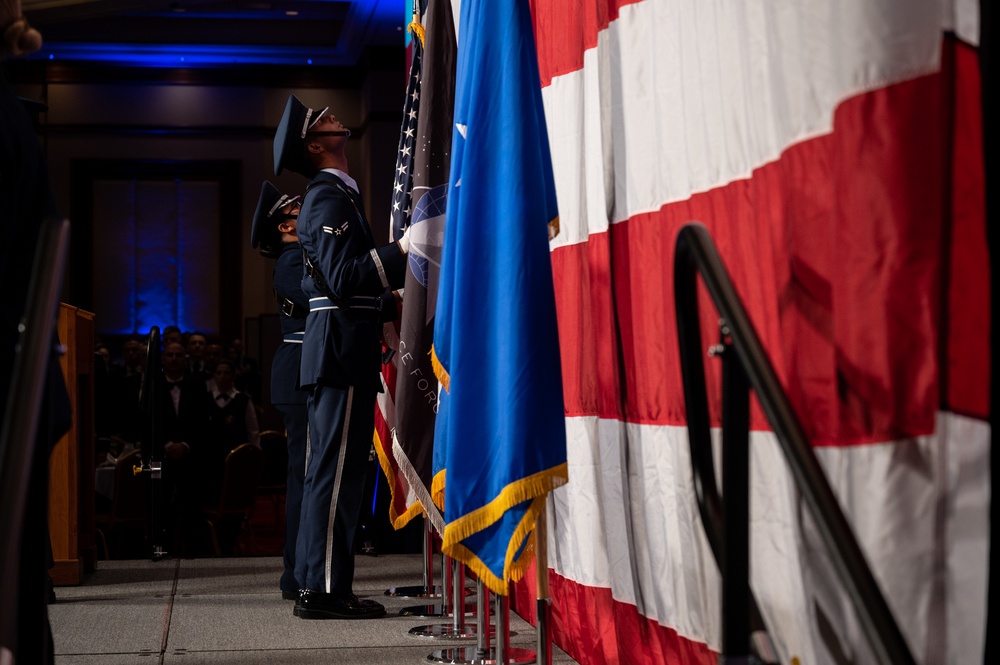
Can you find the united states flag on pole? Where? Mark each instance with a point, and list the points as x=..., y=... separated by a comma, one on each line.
x=403, y=505
x=416, y=385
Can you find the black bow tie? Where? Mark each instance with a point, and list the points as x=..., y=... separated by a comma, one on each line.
x=223, y=397
x=171, y=384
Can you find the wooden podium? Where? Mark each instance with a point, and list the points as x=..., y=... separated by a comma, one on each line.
x=71, y=465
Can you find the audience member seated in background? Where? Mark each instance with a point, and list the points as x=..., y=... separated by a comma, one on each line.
x=134, y=355
x=171, y=335
x=232, y=418
x=195, y=347
x=109, y=393
x=213, y=354
x=184, y=410
x=104, y=354
x=232, y=422
x=207, y=409
x=127, y=421
x=244, y=368
x=243, y=361
x=106, y=395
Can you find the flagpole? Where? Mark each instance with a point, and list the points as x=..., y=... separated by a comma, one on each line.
x=455, y=605
x=503, y=652
x=444, y=592
x=428, y=557
x=483, y=621
x=458, y=600
x=503, y=628
x=481, y=653
x=543, y=604
x=427, y=589
x=447, y=566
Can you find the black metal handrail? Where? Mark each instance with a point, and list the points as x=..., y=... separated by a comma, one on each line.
x=748, y=366
x=24, y=401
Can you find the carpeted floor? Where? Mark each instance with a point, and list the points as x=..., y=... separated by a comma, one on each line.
x=229, y=610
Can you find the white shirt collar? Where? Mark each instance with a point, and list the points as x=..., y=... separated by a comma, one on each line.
x=348, y=180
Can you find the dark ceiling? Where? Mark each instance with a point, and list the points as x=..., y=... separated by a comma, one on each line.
x=216, y=33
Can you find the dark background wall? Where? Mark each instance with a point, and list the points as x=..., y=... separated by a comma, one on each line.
x=127, y=123
x=109, y=130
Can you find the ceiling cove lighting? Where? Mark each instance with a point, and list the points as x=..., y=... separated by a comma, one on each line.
x=145, y=55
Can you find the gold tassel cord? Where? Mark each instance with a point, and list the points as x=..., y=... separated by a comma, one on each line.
x=417, y=29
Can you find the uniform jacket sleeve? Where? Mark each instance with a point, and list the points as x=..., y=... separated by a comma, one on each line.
x=338, y=241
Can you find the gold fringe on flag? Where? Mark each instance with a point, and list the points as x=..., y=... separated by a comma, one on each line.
x=525, y=529
x=533, y=488
x=437, y=489
x=398, y=521
x=439, y=371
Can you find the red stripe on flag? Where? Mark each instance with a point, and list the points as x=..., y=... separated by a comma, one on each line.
x=565, y=29
x=595, y=629
x=967, y=314
x=581, y=276
x=839, y=250
x=383, y=445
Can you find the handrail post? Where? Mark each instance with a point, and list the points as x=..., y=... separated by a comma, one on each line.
x=707, y=496
x=736, y=505
x=696, y=253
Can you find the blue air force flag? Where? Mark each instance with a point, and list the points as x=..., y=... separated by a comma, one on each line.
x=500, y=440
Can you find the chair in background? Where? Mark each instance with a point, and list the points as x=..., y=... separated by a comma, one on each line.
x=273, y=478
x=240, y=476
x=129, y=505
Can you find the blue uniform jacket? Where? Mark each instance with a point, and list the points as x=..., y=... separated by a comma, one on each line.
x=342, y=342
x=288, y=286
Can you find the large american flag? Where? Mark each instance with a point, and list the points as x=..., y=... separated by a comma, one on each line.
x=835, y=151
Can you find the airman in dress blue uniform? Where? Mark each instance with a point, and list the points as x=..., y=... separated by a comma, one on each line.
x=347, y=281
x=274, y=233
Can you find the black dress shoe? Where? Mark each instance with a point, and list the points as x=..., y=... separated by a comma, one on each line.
x=316, y=605
x=289, y=595
x=298, y=602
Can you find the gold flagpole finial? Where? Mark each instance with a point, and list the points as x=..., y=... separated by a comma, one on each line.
x=416, y=27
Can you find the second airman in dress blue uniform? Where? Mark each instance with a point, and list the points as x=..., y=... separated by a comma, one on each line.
x=274, y=233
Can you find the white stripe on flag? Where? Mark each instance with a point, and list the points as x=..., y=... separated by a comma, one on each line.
x=714, y=91
x=870, y=482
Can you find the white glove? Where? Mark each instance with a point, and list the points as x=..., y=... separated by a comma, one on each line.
x=404, y=242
